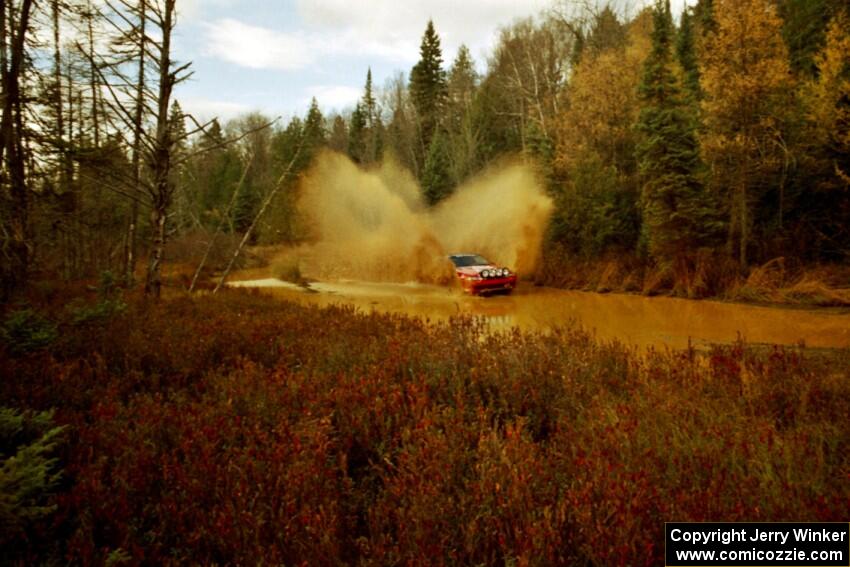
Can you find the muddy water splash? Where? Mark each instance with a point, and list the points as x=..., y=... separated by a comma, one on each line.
x=373, y=225
x=502, y=214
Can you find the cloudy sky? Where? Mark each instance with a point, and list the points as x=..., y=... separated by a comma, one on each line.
x=275, y=55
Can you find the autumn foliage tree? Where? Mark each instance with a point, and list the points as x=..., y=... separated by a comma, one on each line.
x=828, y=99
x=747, y=83
x=827, y=143
x=595, y=149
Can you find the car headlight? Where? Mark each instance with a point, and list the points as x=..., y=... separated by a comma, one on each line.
x=485, y=274
x=504, y=272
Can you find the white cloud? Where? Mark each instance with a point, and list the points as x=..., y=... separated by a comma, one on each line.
x=192, y=8
x=256, y=47
x=207, y=109
x=336, y=97
x=387, y=30
x=394, y=28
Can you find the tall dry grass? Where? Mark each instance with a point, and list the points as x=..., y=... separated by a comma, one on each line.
x=704, y=274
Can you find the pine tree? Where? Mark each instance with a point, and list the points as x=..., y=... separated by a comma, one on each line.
x=675, y=212
x=357, y=135
x=804, y=24
x=368, y=103
x=463, y=79
x=428, y=84
x=177, y=126
x=704, y=16
x=314, y=131
x=338, y=139
x=463, y=137
x=373, y=128
x=436, y=180
x=607, y=32
x=686, y=53
x=177, y=131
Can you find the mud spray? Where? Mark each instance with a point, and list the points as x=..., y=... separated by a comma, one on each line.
x=373, y=224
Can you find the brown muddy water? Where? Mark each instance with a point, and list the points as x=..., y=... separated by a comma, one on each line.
x=634, y=320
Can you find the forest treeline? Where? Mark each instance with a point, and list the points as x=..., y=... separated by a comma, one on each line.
x=721, y=138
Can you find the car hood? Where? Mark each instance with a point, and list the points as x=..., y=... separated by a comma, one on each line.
x=474, y=270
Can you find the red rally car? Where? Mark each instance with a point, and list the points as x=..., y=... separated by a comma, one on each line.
x=479, y=276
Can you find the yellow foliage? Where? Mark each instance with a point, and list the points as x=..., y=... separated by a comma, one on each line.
x=828, y=116
x=747, y=83
x=602, y=104
x=746, y=78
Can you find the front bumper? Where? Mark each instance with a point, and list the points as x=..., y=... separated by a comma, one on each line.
x=487, y=285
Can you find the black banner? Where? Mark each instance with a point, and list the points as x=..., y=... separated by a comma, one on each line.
x=757, y=544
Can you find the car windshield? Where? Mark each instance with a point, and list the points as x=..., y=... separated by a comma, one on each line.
x=468, y=260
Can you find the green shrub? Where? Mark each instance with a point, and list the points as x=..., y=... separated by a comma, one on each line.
x=110, y=302
x=28, y=471
x=25, y=331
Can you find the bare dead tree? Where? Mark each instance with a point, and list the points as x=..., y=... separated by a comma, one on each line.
x=130, y=245
x=142, y=95
x=15, y=241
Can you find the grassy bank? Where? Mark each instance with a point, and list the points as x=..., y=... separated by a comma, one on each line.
x=231, y=429
x=780, y=281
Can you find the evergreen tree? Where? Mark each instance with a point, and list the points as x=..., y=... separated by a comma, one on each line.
x=675, y=213
x=212, y=174
x=357, y=135
x=177, y=126
x=686, y=53
x=286, y=142
x=213, y=135
x=462, y=136
x=372, y=146
x=338, y=139
x=314, y=131
x=804, y=24
x=607, y=32
x=436, y=180
x=181, y=217
x=428, y=84
x=704, y=16
x=463, y=79
x=369, y=105
x=282, y=225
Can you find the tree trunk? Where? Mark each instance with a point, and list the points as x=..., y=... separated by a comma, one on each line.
x=744, y=232
x=17, y=256
x=93, y=77
x=161, y=157
x=153, y=283
x=132, y=230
